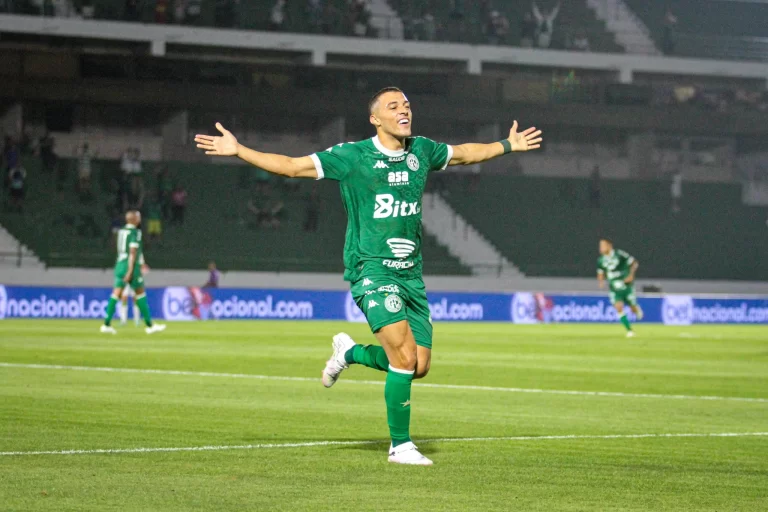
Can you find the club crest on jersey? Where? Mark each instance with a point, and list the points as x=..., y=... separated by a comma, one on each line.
x=412, y=162
x=393, y=303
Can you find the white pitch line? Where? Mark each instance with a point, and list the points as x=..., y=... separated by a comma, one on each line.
x=381, y=383
x=312, y=444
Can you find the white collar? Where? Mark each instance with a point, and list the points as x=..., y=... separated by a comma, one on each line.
x=130, y=226
x=385, y=151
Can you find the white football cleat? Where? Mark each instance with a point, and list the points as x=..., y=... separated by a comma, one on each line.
x=155, y=328
x=630, y=334
x=407, y=453
x=107, y=329
x=639, y=314
x=336, y=364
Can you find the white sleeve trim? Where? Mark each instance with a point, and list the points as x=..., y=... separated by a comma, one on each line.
x=318, y=166
x=448, y=158
x=133, y=244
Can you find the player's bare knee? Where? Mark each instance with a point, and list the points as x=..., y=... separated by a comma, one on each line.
x=421, y=371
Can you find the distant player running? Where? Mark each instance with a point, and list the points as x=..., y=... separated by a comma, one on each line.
x=619, y=268
x=382, y=182
x=128, y=272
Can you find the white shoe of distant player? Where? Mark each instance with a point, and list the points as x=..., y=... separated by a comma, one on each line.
x=336, y=364
x=639, y=314
x=155, y=328
x=107, y=329
x=408, y=454
x=630, y=334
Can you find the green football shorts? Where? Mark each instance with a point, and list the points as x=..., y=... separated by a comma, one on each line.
x=386, y=300
x=137, y=280
x=622, y=292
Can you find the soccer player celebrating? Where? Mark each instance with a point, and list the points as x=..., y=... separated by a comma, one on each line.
x=619, y=268
x=128, y=272
x=382, y=181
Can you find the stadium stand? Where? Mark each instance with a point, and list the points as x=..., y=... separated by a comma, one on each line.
x=709, y=29
x=65, y=231
x=548, y=228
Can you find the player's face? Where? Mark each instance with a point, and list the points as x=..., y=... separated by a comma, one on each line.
x=393, y=115
x=605, y=247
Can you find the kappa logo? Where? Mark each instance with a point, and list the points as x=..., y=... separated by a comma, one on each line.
x=367, y=282
x=372, y=304
x=380, y=165
x=412, y=162
x=386, y=207
x=393, y=304
x=401, y=247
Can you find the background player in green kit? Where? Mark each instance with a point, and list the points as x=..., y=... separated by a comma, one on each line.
x=128, y=272
x=382, y=181
x=618, y=268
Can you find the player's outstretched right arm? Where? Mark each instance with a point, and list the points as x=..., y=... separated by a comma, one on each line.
x=226, y=145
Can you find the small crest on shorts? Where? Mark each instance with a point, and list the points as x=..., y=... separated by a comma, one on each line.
x=393, y=303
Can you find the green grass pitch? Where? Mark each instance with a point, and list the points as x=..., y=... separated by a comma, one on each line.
x=557, y=453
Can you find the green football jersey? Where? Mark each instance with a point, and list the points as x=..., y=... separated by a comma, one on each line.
x=128, y=237
x=382, y=190
x=616, y=267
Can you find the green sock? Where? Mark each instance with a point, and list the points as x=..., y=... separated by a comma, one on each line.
x=372, y=356
x=141, y=301
x=625, y=321
x=111, y=305
x=397, y=394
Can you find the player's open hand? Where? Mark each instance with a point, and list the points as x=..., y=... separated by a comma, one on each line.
x=525, y=140
x=223, y=145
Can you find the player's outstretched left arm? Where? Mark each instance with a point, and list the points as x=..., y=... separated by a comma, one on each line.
x=467, y=154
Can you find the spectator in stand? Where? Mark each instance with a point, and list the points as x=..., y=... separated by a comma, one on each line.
x=669, y=36
x=130, y=163
x=457, y=27
x=676, y=191
x=275, y=213
x=17, y=178
x=115, y=225
x=329, y=23
x=315, y=14
x=545, y=24
x=162, y=12
x=11, y=155
x=213, y=276
x=580, y=42
x=429, y=26
x=84, y=169
x=178, y=204
x=360, y=17
x=132, y=12
x=164, y=190
x=154, y=219
x=499, y=29
x=594, y=188
x=194, y=9
x=136, y=193
x=277, y=16
x=47, y=154
x=527, y=30
x=179, y=12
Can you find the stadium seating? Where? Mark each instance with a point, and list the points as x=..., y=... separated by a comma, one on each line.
x=546, y=227
x=710, y=29
x=63, y=231
x=574, y=16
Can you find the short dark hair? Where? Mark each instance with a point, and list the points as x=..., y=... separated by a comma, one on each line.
x=606, y=239
x=376, y=96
